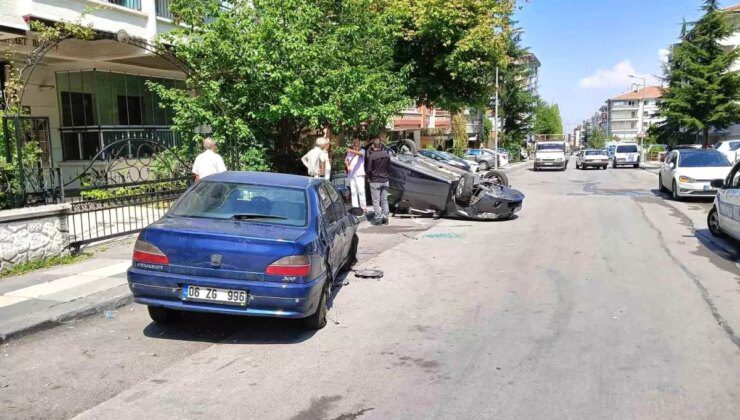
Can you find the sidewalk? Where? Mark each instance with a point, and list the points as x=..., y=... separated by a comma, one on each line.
x=48, y=297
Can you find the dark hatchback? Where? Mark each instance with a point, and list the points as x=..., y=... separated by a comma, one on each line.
x=246, y=243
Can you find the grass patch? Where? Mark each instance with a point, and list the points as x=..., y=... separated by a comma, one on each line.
x=29, y=266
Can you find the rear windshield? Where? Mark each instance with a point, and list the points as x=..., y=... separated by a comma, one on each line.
x=630, y=148
x=551, y=146
x=708, y=158
x=245, y=202
x=594, y=153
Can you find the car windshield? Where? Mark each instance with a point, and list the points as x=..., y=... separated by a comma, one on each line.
x=702, y=159
x=734, y=145
x=594, y=153
x=447, y=155
x=259, y=203
x=551, y=146
x=629, y=148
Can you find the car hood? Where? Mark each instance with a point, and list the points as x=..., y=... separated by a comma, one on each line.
x=705, y=173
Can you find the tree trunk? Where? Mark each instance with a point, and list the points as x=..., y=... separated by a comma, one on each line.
x=706, y=138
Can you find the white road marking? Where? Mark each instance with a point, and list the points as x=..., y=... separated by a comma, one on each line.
x=11, y=300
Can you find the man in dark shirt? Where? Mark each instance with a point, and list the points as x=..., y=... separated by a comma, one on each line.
x=378, y=163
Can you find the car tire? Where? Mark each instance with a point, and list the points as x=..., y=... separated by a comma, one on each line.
x=713, y=223
x=409, y=145
x=352, y=255
x=161, y=315
x=497, y=177
x=674, y=192
x=636, y=165
x=483, y=166
x=317, y=320
x=464, y=188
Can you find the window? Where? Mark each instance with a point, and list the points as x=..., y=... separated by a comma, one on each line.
x=80, y=145
x=129, y=110
x=630, y=103
x=633, y=114
x=702, y=159
x=77, y=109
x=243, y=202
x=339, y=210
x=630, y=148
x=327, y=205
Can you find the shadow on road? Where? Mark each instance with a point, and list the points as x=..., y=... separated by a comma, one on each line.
x=722, y=247
x=234, y=329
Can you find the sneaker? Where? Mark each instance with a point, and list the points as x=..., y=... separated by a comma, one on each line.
x=385, y=220
x=376, y=222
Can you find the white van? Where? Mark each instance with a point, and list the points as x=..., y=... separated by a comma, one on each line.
x=551, y=154
x=626, y=154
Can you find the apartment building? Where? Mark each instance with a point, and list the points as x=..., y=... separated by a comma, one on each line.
x=532, y=80
x=426, y=126
x=84, y=95
x=631, y=114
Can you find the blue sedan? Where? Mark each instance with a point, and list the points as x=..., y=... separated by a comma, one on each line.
x=246, y=243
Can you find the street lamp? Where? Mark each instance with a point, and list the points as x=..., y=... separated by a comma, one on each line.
x=641, y=131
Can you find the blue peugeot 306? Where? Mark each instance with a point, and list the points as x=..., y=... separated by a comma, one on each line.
x=246, y=243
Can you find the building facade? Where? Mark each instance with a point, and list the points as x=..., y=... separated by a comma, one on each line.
x=631, y=114
x=84, y=95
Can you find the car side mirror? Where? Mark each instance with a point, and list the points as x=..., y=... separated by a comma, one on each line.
x=356, y=211
x=717, y=183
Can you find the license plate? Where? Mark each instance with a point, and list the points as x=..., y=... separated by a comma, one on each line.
x=215, y=295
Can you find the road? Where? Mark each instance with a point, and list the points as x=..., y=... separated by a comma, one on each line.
x=601, y=300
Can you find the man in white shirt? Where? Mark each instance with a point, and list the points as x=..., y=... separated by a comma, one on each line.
x=209, y=162
x=317, y=160
x=355, y=165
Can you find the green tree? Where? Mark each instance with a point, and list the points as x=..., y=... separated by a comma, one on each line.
x=448, y=50
x=597, y=139
x=547, y=119
x=264, y=74
x=703, y=93
x=516, y=103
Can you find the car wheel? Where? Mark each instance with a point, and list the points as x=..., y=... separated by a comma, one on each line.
x=674, y=192
x=161, y=315
x=636, y=165
x=483, y=166
x=713, y=223
x=352, y=256
x=661, y=187
x=407, y=147
x=497, y=177
x=464, y=188
x=317, y=321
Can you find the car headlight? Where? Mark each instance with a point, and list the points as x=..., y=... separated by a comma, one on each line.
x=686, y=179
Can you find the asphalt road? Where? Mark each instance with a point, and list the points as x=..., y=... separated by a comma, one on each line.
x=601, y=300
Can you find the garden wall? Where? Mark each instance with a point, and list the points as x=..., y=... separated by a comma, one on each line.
x=33, y=233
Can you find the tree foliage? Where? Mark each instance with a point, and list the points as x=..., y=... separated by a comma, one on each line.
x=703, y=93
x=517, y=102
x=597, y=139
x=448, y=50
x=547, y=119
x=266, y=72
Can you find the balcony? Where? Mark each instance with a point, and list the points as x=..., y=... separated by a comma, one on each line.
x=131, y=4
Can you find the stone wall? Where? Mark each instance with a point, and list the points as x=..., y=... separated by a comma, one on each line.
x=33, y=233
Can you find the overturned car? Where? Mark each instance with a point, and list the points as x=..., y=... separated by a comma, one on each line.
x=424, y=185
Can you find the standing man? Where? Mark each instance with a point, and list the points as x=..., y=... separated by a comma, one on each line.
x=378, y=172
x=316, y=160
x=209, y=162
x=354, y=163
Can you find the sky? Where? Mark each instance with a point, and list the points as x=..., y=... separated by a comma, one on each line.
x=589, y=47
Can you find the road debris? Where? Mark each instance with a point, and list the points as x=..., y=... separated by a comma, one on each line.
x=369, y=273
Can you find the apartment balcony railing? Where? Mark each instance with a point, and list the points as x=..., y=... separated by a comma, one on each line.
x=131, y=4
x=163, y=9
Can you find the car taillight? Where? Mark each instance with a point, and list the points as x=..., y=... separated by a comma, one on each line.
x=147, y=253
x=293, y=265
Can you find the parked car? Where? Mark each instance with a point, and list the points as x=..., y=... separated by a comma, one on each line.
x=626, y=154
x=723, y=217
x=595, y=158
x=550, y=154
x=421, y=184
x=689, y=172
x=502, y=155
x=484, y=158
x=447, y=158
x=246, y=243
x=610, y=151
x=730, y=148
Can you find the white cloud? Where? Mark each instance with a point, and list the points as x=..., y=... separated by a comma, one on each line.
x=617, y=76
x=663, y=55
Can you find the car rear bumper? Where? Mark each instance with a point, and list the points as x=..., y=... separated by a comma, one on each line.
x=595, y=163
x=282, y=300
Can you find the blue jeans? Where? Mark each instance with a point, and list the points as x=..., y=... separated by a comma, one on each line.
x=379, y=193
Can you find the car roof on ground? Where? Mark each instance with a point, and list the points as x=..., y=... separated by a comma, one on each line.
x=263, y=178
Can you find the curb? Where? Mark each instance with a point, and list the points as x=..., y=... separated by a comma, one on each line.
x=66, y=312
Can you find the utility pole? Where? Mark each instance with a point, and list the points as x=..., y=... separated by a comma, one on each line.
x=495, y=126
